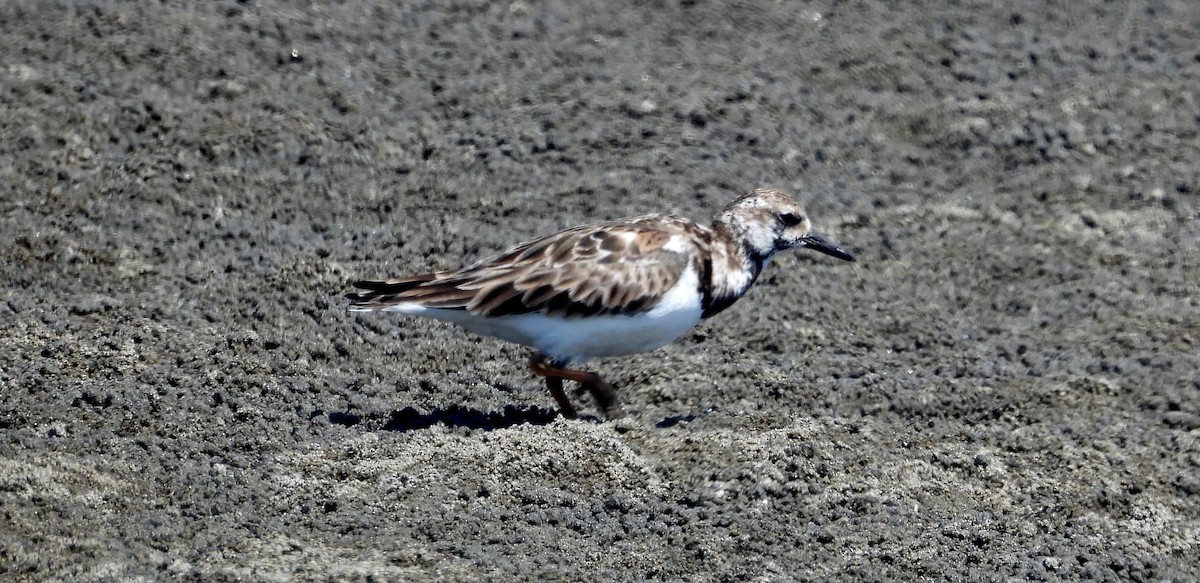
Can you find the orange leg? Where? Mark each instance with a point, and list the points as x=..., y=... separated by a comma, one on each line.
x=601, y=391
x=555, y=384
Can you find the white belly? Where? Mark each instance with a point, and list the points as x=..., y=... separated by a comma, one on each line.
x=578, y=339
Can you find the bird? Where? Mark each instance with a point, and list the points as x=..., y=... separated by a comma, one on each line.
x=607, y=289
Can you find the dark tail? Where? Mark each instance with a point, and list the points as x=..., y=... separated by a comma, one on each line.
x=381, y=293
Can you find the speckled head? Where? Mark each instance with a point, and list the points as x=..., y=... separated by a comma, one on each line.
x=768, y=220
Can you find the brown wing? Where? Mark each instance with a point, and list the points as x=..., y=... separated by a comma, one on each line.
x=615, y=268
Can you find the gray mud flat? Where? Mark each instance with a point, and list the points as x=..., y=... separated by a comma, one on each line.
x=1003, y=386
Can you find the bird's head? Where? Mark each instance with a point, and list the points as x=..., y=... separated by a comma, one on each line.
x=767, y=221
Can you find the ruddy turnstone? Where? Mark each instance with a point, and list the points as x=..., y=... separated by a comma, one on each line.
x=608, y=289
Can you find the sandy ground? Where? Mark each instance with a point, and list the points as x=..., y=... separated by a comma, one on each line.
x=1004, y=386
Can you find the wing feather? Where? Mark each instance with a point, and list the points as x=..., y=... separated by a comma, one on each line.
x=611, y=268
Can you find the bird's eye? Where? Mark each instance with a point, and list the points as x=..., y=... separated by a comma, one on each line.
x=791, y=219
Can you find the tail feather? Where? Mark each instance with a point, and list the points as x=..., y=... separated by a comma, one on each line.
x=395, y=285
x=381, y=294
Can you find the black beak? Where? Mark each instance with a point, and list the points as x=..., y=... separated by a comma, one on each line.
x=819, y=243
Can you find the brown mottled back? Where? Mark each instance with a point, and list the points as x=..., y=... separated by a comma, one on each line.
x=611, y=268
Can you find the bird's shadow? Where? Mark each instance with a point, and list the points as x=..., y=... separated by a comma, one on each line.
x=410, y=419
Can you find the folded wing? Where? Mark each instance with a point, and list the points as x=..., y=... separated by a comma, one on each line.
x=611, y=269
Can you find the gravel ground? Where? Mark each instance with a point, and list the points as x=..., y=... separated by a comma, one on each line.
x=1003, y=386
